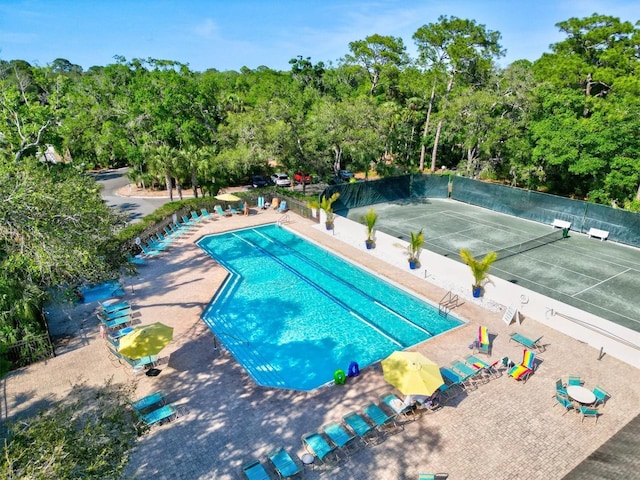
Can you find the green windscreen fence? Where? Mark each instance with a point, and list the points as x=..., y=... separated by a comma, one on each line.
x=623, y=226
x=359, y=194
x=390, y=189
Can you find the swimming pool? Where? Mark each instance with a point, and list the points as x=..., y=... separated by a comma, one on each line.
x=293, y=313
x=102, y=291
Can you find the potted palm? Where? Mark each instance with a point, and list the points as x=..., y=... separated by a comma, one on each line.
x=326, y=205
x=479, y=268
x=414, y=248
x=370, y=220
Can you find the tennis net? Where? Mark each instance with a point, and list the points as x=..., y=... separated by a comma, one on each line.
x=521, y=247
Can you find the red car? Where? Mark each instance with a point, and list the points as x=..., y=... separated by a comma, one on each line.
x=300, y=177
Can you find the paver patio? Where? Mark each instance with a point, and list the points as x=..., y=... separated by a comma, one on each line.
x=501, y=430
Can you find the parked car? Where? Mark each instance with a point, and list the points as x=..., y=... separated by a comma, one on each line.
x=258, y=181
x=345, y=175
x=280, y=180
x=300, y=177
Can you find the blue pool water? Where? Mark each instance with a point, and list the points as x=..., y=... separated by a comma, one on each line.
x=102, y=291
x=293, y=313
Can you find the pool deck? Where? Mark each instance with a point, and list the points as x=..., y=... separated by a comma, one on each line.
x=502, y=430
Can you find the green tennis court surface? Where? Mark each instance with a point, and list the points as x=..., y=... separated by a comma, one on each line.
x=598, y=277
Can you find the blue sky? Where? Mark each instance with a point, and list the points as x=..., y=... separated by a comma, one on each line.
x=230, y=34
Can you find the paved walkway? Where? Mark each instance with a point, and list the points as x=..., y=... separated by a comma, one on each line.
x=502, y=430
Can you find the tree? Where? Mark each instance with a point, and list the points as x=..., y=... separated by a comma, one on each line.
x=454, y=46
x=378, y=55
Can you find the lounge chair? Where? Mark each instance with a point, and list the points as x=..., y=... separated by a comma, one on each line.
x=137, y=363
x=234, y=211
x=137, y=260
x=261, y=203
x=153, y=400
x=283, y=206
x=455, y=378
x=564, y=401
x=427, y=476
x=111, y=314
x=283, y=464
x=483, y=368
x=149, y=251
x=397, y=406
x=360, y=427
x=188, y=221
x=164, y=240
x=157, y=245
x=316, y=445
x=378, y=417
x=469, y=373
x=255, y=471
x=113, y=306
x=527, y=342
x=116, y=322
x=218, y=209
x=482, y=343
x=526, y=368
x=204, y=213
x=342, y=439
x=601, y=395
x=171, y=233
x=574, y=380
x=196, y=218
x=160, y=415
x=588, y=412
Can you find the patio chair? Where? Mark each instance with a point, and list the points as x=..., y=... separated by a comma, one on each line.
x=157, y=245
x=196, y=218
x=601, y=395
x=342, y=439
x=113, y=305
x=283, y=464
x=255, y=471
x=218, y=209
x=526, y=368
x=316, y=445
x=527, y=342
x=483, y=368
x=153, y=400
x=564, y=401
x=172, y=233
x=283, y=207
x=588, y=412
x=360, y=427
x=113, y=314
x=149, y=251
x=482, y=343
x=187, y=221
x=574, y=380
x=378, y=417
x=116, y=322
x=560, y=388
x=204, y=213
x=166, y=413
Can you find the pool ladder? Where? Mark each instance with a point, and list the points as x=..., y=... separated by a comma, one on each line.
x=448, y=303
x=284, y=219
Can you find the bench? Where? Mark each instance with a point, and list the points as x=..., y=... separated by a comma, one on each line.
x=561, y=224
x=596, y=232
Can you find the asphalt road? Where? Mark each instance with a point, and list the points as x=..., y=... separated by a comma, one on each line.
x=134, y=207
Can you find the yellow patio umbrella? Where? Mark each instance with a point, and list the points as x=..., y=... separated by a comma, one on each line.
x=145, y=340
x=227, y=197
x=412, y=373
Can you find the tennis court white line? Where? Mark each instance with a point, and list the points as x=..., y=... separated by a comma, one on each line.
x=603, y=281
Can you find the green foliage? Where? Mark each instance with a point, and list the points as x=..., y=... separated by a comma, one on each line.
x=326, y=204
x=415, y=245
x=479, y=268
x=87, y=436
x=370, y=219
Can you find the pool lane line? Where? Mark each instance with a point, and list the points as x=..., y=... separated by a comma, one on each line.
x=381, y=332
x=314, y=285
x=350, y=286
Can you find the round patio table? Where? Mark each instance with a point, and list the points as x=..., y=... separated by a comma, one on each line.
x=581, y=394
x=307, y=460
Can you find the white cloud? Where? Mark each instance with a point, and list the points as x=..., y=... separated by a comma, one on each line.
x=207, y=28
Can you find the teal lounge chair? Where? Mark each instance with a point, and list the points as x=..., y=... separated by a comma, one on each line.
x=116, y=322
x=427, y=476
x=137, y=260
x=454, y=378
x=394, y=404
x=470, y=374
x=255, y=471
x=153, y=400
x=234, y=210
x=378, y=417
x=527, y=342
x=113, y=314
x=149, y=251
x=564, y=401
x=360, y=427
x=344, y=440
x=204, y=213
x=195, y=217
x=113, y=305
x=283, y=207
x=160, y=415
x=316, y=445
x=218, y=209
x=283, y=464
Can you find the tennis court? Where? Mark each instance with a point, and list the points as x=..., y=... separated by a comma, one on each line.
x=599, y=277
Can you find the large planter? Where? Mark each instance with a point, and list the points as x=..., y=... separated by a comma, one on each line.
x=413, y=264
x=477, y=291
x=329, y=225
x=370, y=244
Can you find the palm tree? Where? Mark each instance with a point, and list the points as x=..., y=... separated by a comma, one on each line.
x=414, y=247
x=326, y=204
x=370, y=220
x=479, y=268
